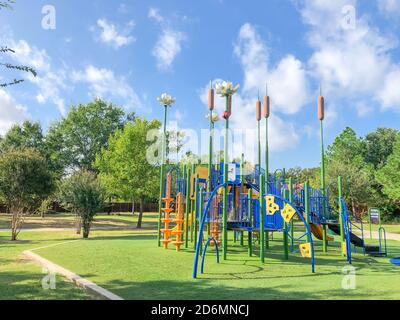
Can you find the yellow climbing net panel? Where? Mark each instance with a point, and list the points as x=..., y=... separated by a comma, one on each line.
x=271, y=206
x=305, y=250
x=288, y=213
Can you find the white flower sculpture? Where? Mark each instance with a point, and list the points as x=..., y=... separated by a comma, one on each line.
x=226, y=89
x=214, y=118
x=166, y=100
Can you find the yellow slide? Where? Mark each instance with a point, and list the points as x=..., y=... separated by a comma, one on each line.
x=317, y=231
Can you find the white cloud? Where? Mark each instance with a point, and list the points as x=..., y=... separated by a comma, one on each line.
x=111, y=35
x=287, y=81
x=49, y=82
x=350, y=63
x=389, y=6
x=105, y=84
x=283, y=134
x=154, y=13
x=168, y=46
x=10, y=112
x=389, y=95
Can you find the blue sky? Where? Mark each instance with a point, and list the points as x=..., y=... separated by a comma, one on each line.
x=129, y=52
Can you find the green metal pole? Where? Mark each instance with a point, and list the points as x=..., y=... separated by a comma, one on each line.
x=241, y=192
x=285, y=234
x=201, y=197
x=225, y=203
x=192, y=206
x=266, y=169
x=307, y=204
x=160, y=201
x=323, y=187
x=187, y=207
x=262, y=222
x=196, y=212
x=340, y=195
x=291, y=201
x=210, y=155
x=249, y=214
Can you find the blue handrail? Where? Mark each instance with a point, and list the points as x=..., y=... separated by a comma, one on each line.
x=203, y=221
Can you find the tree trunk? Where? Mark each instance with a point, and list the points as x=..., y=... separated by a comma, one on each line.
x=133, y=206
x=109, y=209
x=14, y=222
x=139, y=223
x=86, y=229
x=78, y=224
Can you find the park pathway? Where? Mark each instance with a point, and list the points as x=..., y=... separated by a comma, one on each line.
x=389, y=236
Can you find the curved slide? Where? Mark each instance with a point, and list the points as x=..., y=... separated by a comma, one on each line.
x=317, y=231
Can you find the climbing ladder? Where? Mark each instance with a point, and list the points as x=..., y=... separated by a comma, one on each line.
x=167, y=210
x=178, y=230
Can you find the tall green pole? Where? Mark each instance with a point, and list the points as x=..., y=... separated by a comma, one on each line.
x=200, y=205
x=291, y=201
x=262, y=221
x=324, y=241
x=187, y=207
x=249, y=214
x=285, y=233
x=196, y=211
x=307, y=204
x=210, y=153
x=259, y=146
x=340, y=195
x=225, y=203
x=160, y=202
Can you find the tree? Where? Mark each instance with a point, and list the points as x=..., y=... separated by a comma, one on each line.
x=301, y=175
x=76, y=139
x=7, y=4
x=83, y=194
x=124, y=167
x=378, y=146
x=389, y=175
x=24, y=182
x=26, y=135
x=345, y=158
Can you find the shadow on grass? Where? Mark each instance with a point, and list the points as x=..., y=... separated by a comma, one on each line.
x=208, y=290
x=21, y=285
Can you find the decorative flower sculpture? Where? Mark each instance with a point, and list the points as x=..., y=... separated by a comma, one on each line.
x=166, y=100
x=226, y=89
x=214, y=118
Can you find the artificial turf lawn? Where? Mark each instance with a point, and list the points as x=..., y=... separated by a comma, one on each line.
x=128, y=263
x=21, y=279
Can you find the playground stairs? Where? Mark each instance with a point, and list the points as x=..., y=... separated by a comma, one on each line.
x=178, y=230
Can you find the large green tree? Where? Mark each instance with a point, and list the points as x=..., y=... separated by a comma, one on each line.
x=378, y=146
x=124, y=167
x=389, y=175
x=25, y=135
x=345, y=159
x=25, y=182
x=76, y=139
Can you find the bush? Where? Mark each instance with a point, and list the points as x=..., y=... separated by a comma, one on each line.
x=83, y=194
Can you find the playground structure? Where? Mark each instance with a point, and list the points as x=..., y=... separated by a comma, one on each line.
x=254, y=204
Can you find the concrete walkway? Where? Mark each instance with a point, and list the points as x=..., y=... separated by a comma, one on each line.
x=375, y=235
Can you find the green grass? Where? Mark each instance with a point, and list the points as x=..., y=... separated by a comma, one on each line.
x=22, y=279
x=128, y=263
x=132, y=266
x=392, y=228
